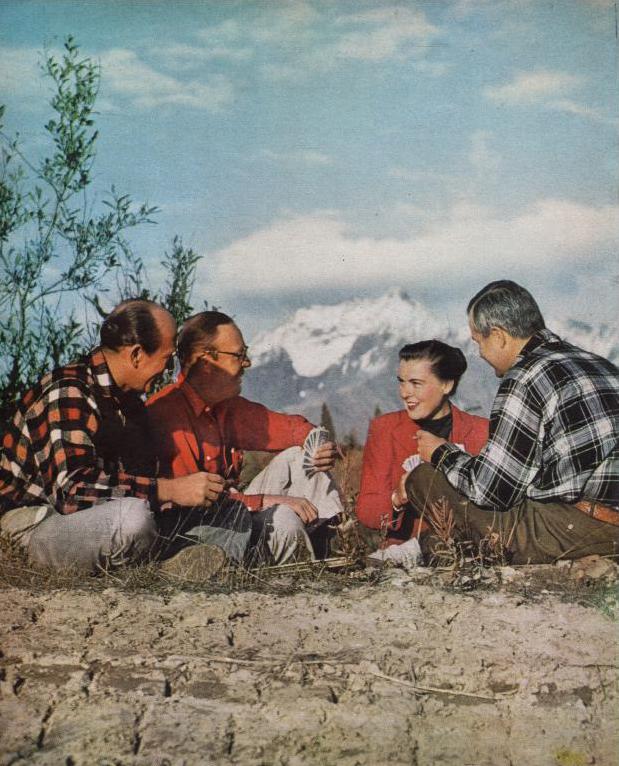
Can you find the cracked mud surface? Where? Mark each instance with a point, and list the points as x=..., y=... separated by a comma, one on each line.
x=114, y=677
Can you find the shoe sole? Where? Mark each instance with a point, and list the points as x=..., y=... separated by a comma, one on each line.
x=195, y=564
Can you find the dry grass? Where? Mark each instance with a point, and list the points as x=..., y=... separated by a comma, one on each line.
x=471, y=563
x=349, y=547
x=331, y=575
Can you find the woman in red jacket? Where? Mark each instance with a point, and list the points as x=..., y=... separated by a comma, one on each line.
x=428, y=374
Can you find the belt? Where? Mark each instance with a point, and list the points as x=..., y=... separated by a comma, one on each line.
x=605, y=513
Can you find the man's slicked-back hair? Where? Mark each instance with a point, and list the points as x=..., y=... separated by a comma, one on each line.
x=198, y=332
x=132, y=322
x=507, y=305
x=448, y=362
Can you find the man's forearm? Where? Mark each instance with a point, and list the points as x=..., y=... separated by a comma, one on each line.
x=480, y=479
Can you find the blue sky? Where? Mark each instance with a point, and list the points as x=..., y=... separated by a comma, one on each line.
x=315, y=151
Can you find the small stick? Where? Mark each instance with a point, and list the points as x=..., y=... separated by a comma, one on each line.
x=255, y=577
x=233, y=661
x=275, y=661
x=327, y=563
x=434, y=689
x=107, y=573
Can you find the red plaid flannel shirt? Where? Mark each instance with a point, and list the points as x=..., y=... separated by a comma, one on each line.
x=48, y=455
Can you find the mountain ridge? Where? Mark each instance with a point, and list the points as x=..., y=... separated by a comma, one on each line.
x=346, y=355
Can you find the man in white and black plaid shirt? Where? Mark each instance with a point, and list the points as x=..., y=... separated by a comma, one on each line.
x=548, y=478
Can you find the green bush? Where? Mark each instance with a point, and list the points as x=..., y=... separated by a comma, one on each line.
x=56, y=252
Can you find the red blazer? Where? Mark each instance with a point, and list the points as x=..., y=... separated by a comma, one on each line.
x=390, y=441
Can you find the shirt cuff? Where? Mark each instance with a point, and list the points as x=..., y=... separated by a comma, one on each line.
x=442, y=452
x=253, y=502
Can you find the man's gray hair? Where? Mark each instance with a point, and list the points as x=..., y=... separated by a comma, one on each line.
x=507, y=305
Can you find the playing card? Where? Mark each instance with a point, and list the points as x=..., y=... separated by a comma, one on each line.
x=313, y=441
x=412, y=461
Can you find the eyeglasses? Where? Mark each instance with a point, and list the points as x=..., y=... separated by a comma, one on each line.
x=242, y=355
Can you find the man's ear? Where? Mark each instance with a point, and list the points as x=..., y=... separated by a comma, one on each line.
x=136, y=354
x=500, y=336
x=196, y=362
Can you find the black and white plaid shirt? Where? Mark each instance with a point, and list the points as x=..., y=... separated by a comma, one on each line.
x=554, y=432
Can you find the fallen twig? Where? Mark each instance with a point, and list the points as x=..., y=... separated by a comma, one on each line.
x=436, y=690
x=235, y=661
x=275, y=660
x=331, y=563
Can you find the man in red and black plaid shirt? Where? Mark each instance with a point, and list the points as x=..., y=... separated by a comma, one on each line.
x=78, y=482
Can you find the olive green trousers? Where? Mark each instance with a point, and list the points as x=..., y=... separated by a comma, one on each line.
x=531, y=532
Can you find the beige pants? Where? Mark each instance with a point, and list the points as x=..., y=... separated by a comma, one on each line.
x=108, y=535
x=532, y=532
x=279, y=526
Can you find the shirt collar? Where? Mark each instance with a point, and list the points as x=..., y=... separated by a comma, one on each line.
x=103, y=377
x=540, y=338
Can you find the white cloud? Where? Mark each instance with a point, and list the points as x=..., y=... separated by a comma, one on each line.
x=302, y=156
x=126, y=75
x=285, y=24
x=381, y=33
x=534, y=87
x=183, y=57
x=580, y=110
x=302, y=40
x=469, y=244
x=549, y=89
x=21, y=76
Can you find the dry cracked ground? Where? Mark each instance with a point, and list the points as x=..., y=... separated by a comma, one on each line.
x=400, y=671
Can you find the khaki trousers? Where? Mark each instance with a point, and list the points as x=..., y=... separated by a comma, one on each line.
x=532, y=532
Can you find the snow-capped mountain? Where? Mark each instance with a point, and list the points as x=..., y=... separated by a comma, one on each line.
x=346, y=355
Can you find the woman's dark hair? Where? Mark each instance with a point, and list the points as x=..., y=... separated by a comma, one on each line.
x=198, y=332
x=448, y=362
x=132, y=322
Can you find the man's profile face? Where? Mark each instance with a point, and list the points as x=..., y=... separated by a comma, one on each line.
x=225, y=372
x=151, y=366
x=491, y=349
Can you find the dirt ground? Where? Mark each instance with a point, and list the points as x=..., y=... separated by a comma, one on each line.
x=399, y=669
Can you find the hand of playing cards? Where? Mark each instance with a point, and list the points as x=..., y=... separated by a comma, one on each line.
x=315, y=439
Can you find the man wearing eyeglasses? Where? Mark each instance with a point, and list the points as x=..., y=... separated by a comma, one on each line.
x=201, y=423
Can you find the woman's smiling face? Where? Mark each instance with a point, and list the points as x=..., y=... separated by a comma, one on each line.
x=424, y=395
